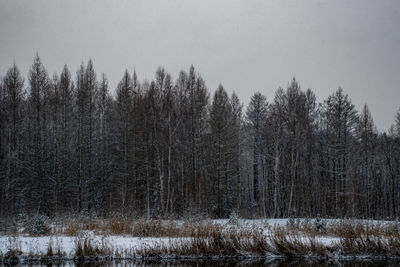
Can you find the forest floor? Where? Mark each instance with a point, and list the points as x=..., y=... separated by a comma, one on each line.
x=118, y=238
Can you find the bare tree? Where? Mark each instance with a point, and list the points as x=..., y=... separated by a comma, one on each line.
x=12, y=101
x=38, y=96
x=256, y=115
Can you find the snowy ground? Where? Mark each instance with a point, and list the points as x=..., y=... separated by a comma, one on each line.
x=39, y=245
x=122, y=245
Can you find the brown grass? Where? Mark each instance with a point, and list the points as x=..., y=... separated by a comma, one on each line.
x=355, y=228
x=119, y=225
x=50, y=250
x=208, y=239
x=233, y=243
x=72, y=228
x=342, y=228
x=13, y=250
x=295, y=244
x=86, y=248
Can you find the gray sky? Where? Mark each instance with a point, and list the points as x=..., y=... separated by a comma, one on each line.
x=246, y=45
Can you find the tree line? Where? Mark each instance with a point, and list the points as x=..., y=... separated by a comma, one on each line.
x=169, y=147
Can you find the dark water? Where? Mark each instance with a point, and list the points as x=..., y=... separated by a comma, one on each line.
x=221, y=263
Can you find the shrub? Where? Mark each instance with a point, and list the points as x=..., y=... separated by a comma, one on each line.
x=320, y=225
x=233, y=218
x=293, y=224
x=38, y=225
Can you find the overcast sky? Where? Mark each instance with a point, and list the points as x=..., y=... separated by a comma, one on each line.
x=247, y=46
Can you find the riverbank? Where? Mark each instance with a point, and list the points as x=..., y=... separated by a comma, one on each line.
x=158, y=240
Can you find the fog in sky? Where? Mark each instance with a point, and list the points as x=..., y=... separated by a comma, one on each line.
x=247, y=46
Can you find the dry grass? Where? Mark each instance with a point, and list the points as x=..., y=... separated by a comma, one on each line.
x=154, y=228
x=295, y=244
x=13, y=250
x=87, y=249
x=206, y=239
x=158, y=228
x=54, y=250
x=377, y=240
x=346, y=228
x=235, y=244
x=210, y=240
x=72, y=228
x=355, y=228
x=119, y=225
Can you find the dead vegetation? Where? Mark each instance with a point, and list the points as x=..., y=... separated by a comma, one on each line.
x=87, y=249
x=119, y=225
x=370, y=242
x=13, y=250
x=207, y=239
x=233, y=243
x=294, y=244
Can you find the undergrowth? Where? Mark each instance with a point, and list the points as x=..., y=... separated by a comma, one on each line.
x=208, y=239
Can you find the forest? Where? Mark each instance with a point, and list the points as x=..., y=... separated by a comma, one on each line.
x=172, y=147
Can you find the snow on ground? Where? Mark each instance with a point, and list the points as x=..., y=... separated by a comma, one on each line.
x=39, y=245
